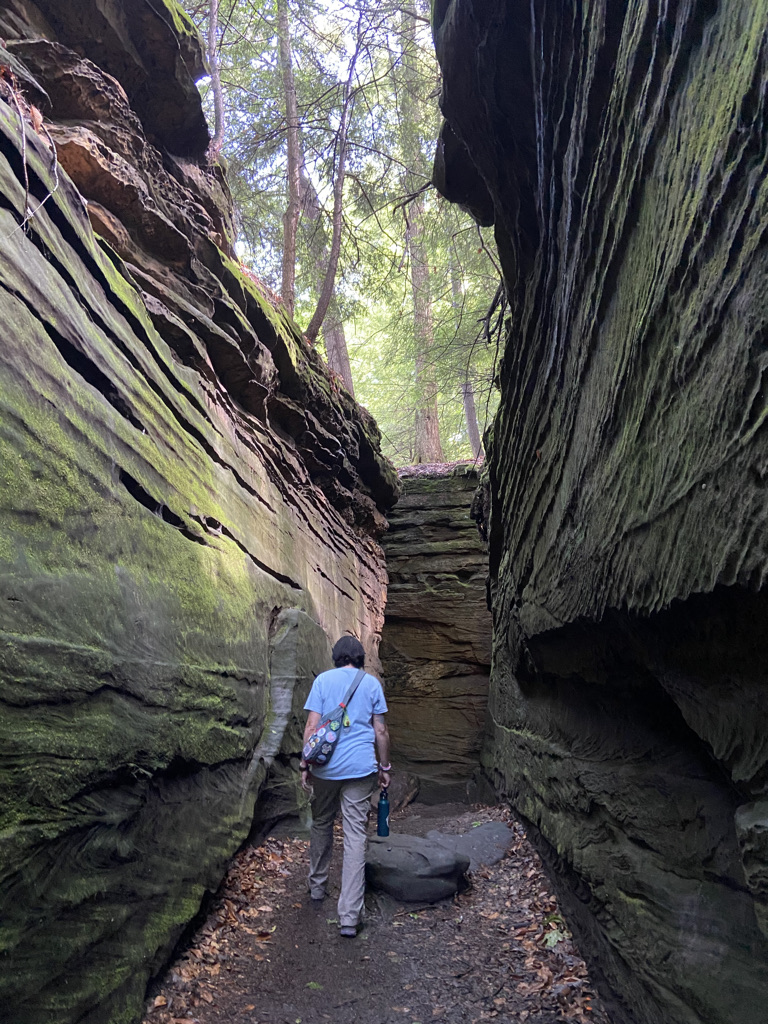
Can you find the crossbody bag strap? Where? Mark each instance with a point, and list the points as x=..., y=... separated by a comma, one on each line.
x=351, y=691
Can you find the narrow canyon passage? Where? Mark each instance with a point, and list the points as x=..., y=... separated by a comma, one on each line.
x=193, y=509
x=267, y=954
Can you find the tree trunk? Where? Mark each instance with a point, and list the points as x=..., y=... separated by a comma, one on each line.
x=293, y=205
x=470, y=415
x=427, y=425
x=329, y=278
x=317, y=243
x=336, y=347
x=467, y=390
x=214, y=147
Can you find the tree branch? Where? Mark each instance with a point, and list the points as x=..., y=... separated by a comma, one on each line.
x=313, y=328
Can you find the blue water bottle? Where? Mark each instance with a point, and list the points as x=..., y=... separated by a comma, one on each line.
x=382, y=826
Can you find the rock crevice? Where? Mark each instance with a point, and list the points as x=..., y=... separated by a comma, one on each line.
x=436, y=642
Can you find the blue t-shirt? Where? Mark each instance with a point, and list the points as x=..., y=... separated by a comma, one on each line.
x=356, y=754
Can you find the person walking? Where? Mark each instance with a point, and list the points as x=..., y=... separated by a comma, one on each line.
x=349, y=778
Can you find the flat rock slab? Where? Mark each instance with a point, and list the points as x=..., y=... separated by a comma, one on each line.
x=415, y=870
x=484, y=845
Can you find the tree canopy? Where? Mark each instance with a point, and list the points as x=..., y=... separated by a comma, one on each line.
x=326, y=114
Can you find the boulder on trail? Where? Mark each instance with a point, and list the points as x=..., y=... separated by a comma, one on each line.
x=414, y=869
x=484, y=845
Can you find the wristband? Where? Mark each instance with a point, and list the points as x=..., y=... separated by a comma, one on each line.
x=385, y=767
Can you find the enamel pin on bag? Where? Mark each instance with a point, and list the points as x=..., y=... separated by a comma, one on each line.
x=321, y=744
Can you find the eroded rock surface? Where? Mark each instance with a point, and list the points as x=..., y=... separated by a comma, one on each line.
x=436, y=643
x=620, y=150
x=189, y=510
x=415, y=869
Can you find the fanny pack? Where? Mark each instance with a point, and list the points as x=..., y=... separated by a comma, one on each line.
x=321, y=744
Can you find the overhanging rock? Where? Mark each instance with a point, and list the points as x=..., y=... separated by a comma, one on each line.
x=620, y=151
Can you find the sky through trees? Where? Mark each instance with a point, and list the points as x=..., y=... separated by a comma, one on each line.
x=326, y=114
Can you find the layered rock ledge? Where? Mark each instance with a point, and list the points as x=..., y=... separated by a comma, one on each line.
x=189, y=509
x=436, y=641
x=620, y=150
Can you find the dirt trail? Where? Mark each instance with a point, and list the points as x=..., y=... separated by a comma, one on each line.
x=269, y=955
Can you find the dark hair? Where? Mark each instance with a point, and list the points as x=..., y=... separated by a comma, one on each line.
x=348, y=651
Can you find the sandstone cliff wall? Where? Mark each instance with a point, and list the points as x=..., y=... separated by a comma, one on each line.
x=189, y=509
x=436, y=642
x=621, y=151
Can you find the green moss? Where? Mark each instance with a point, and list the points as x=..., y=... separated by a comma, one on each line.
x=282, y=325
x=180, y=20
x=133, y=660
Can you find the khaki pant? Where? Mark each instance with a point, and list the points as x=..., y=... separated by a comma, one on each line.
x=353, y=796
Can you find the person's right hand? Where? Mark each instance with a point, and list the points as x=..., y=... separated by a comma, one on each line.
x=383, y=779
x=306, y=780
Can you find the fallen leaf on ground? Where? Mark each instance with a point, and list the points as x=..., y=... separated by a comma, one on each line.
x=497, y=949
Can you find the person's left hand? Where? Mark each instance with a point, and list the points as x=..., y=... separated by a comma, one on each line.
x=383, y=779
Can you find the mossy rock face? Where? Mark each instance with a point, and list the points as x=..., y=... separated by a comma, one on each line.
x=624, y=156
x=173, y=565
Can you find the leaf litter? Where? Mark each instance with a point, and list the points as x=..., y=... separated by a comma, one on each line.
x=267, y=954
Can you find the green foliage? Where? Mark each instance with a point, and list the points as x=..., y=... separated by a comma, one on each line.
x=381, y=340
x=390, y=155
